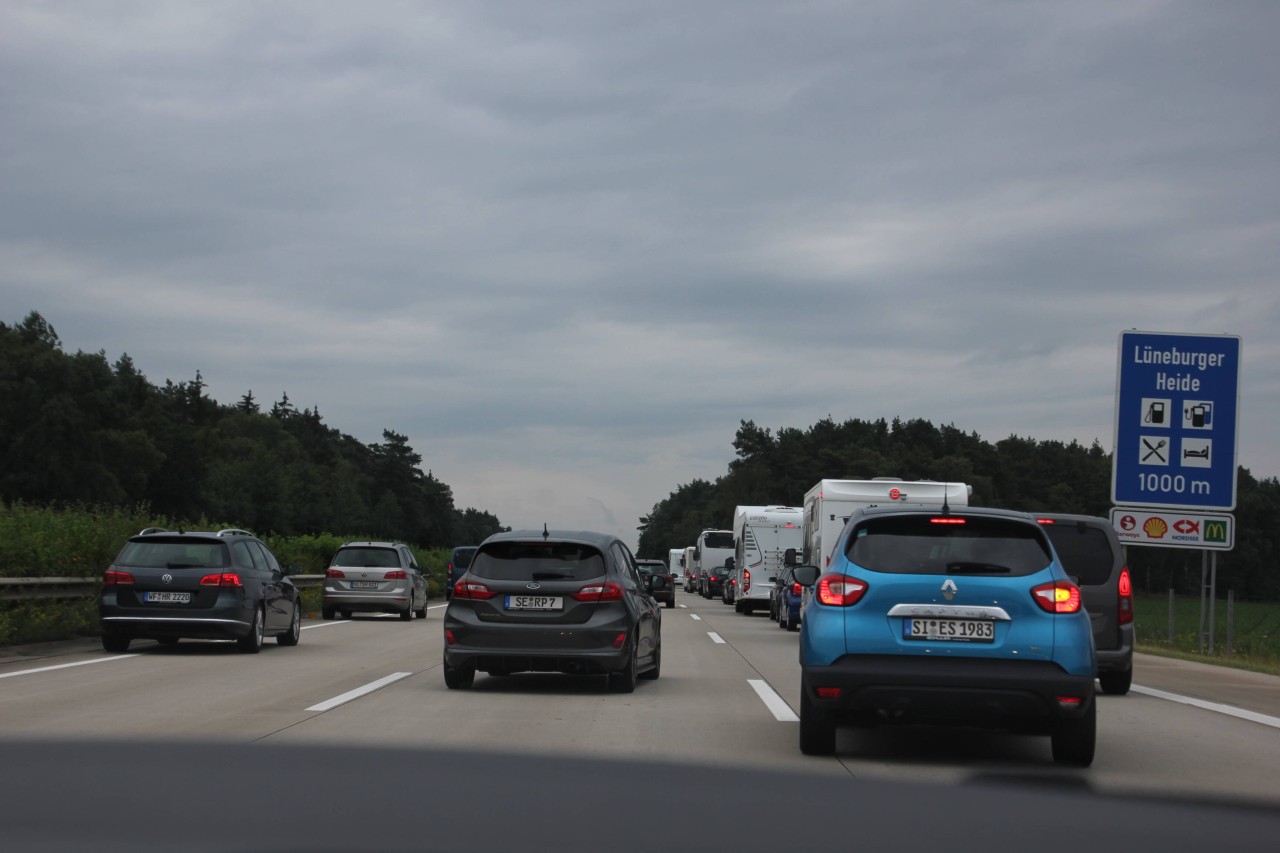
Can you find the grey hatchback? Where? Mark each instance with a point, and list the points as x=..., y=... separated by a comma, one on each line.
x=564, y=601
x=1090, y=552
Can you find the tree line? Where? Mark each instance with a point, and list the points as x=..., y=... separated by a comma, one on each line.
x=80, y=431
x=1014, y=473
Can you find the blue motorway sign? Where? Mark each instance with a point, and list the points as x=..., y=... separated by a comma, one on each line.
x=1177, y=397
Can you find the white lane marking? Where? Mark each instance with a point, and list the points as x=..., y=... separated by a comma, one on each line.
x=695, y=616
x=715, y=638
x=64, y=666
x=360, y=691
x=781, y=710
x=327, y=624
x=1230, y=711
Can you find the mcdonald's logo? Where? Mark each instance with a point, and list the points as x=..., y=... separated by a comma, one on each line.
x=1215, y=531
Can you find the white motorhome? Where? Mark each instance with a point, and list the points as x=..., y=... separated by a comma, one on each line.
x=675, y=564
x=761, y=537
x=828, y=505
x=690, y=573
x=713, y=548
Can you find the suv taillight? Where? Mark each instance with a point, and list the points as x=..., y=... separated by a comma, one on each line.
x=397, y=575
x=796, y=589
x=223, y=579
x=840, y=590
x=472, y=589
x=1125, y=613
x=115, y=577
x=1057, y=597
x=607, y=591
x=335, y=573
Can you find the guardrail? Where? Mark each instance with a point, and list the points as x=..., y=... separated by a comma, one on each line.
x=34, y=589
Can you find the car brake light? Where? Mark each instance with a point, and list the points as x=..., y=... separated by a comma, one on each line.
x=473, y=590
x=1125, y=612
x=449, y=638
x=827, y=692
x=746, y=581
x=1057, y=597
x=398, y=575
x=607, y=591
x=335, y=573
x=115, y=577
x=223, y=579
x=840, y=590
x=796, y=589
x=946, y=519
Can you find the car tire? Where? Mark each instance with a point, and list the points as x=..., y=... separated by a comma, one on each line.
x=793, y=624
x=624, y=680
x=406, y=615
x=671, y=603
x=252, y=644
x=1074, y=739
x=782, y=619
x=422, y=611
x=291, y=637
x=459, y=678
x=327, y=613
x=817, y=731
x=115, y=643
x=654, y=671
x=739, y=607
x=1116, y=683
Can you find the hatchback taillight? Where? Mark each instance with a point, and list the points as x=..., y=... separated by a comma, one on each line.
x=223, y=579
x=335, y=573
x=1057, y=597
x=398, y=575
x=1125, y=612
x=115, y=577
x=840, y=590
x=607, y=591
x=473, y=590
x=796, y=589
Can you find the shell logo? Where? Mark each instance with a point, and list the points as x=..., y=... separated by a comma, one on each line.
x=1155, y=527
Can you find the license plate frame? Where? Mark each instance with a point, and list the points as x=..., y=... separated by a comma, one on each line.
x=166, y=597
x=535, y=603
x=944, y=630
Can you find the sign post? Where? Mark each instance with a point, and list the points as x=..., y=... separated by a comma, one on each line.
x=1176, y=437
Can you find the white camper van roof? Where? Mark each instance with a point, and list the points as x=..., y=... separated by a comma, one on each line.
x=888, y=490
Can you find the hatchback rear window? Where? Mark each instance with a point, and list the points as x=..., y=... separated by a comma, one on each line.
x=1085, y=551
x=537, y=561
x=927, y=545
x=374, y=558
x=179, y=554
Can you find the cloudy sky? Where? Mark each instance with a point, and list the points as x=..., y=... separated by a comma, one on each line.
x=566, y=247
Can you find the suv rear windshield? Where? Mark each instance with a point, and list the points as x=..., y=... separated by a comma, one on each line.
x=918, y=545
x=377, y=558
x=537, y=561
x=174, y=554
x=1085, y=551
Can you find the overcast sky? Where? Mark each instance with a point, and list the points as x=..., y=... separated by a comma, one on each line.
x=566, y=247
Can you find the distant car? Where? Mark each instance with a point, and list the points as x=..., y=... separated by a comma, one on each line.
x=227, y=585
x=785, y=600
x=937, y=615
x=554, y=601
x=1090, y=552
x=667, y=592
x=729, y=589
x=711, y=582
x=457, y=567
x=374, y=577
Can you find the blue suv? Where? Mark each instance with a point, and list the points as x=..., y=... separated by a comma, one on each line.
x=932, y=615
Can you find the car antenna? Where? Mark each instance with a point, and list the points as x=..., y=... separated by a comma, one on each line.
x=946, y=508
x=545, y=533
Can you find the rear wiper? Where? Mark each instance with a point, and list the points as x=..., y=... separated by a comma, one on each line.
x=977, y=569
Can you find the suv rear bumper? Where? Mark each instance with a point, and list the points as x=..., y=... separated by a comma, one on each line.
x=1013, y=694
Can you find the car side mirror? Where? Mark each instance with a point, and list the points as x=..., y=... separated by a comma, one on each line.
x=806, y=575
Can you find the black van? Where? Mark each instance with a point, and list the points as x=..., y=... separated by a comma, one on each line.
x=1090, y=552
x=459, y=562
